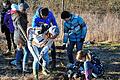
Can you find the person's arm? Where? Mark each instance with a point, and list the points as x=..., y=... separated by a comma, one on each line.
x=6, y=19
x=26, y=17
x=33, y=21
x=83, y=28
x=84, y=32
x=66, y=34
x=34, y=24
x=18, y=25
x=54, y=23
x=2, y=21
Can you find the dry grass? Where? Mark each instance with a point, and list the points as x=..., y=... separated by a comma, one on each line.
x=105, y=29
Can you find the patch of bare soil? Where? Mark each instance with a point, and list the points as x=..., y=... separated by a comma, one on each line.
x=109, y=56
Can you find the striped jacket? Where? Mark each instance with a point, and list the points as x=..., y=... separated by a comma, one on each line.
x=74, y=29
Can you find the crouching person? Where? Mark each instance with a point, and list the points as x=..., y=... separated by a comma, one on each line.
x=39, y=44
x=91, y=65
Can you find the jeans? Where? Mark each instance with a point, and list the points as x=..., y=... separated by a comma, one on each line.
x=9, y=36
x=22, y=55
x=53, y=52
x=71, y=47
x=19, y=56
x=36, y=51
x=89, y=68
x=25, y=57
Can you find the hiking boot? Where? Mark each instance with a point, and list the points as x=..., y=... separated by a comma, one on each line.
x=25, y=71
x=45, y=71
x=13, y=62
x=25, y=68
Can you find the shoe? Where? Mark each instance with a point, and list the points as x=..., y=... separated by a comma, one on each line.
x=25, y=68
x=13, y=62
x=25, y=71
x=45, y=71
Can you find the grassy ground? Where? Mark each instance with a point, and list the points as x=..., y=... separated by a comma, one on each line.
x=109, y=55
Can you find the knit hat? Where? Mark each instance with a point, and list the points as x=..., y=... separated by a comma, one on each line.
x=54, y=30
x=14, y=7
x=21, y=5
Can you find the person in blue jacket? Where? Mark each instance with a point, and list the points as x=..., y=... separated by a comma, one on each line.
x=75, y=30
x=44, y=16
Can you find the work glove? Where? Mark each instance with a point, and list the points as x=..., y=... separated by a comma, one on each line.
x=82, y=39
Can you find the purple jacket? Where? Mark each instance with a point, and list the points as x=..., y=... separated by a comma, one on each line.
x=8, y=21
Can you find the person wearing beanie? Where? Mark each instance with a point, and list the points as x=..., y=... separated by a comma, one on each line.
x=24, y=22
x=19, y=34
x=44, y=16
x=39, y=45
x=75, y=30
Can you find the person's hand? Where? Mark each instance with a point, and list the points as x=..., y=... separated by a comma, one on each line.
x=82, y=39
x=45, y=24
x=53, y=37
x=33, y=43
x=77, y=56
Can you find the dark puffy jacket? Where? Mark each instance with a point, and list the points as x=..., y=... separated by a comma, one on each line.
x=3, y=26
x=19, y=24
x=8, y=21
x=23, y=20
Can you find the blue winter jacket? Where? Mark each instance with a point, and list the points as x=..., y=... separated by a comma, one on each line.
x=37, y=19
x=8, y=21
x=74, y=29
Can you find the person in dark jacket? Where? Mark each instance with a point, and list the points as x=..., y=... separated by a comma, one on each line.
x=24, y=22
x=19, y=18
x=9, y=23
x=19, y=34
x=5, y=28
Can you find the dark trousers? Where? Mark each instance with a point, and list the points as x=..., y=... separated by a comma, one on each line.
x=53, y=52
x=9, y=36
x=71, y=47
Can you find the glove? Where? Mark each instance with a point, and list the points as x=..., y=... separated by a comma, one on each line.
x=64, y=45
x=45, y=24
x=82, y=39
